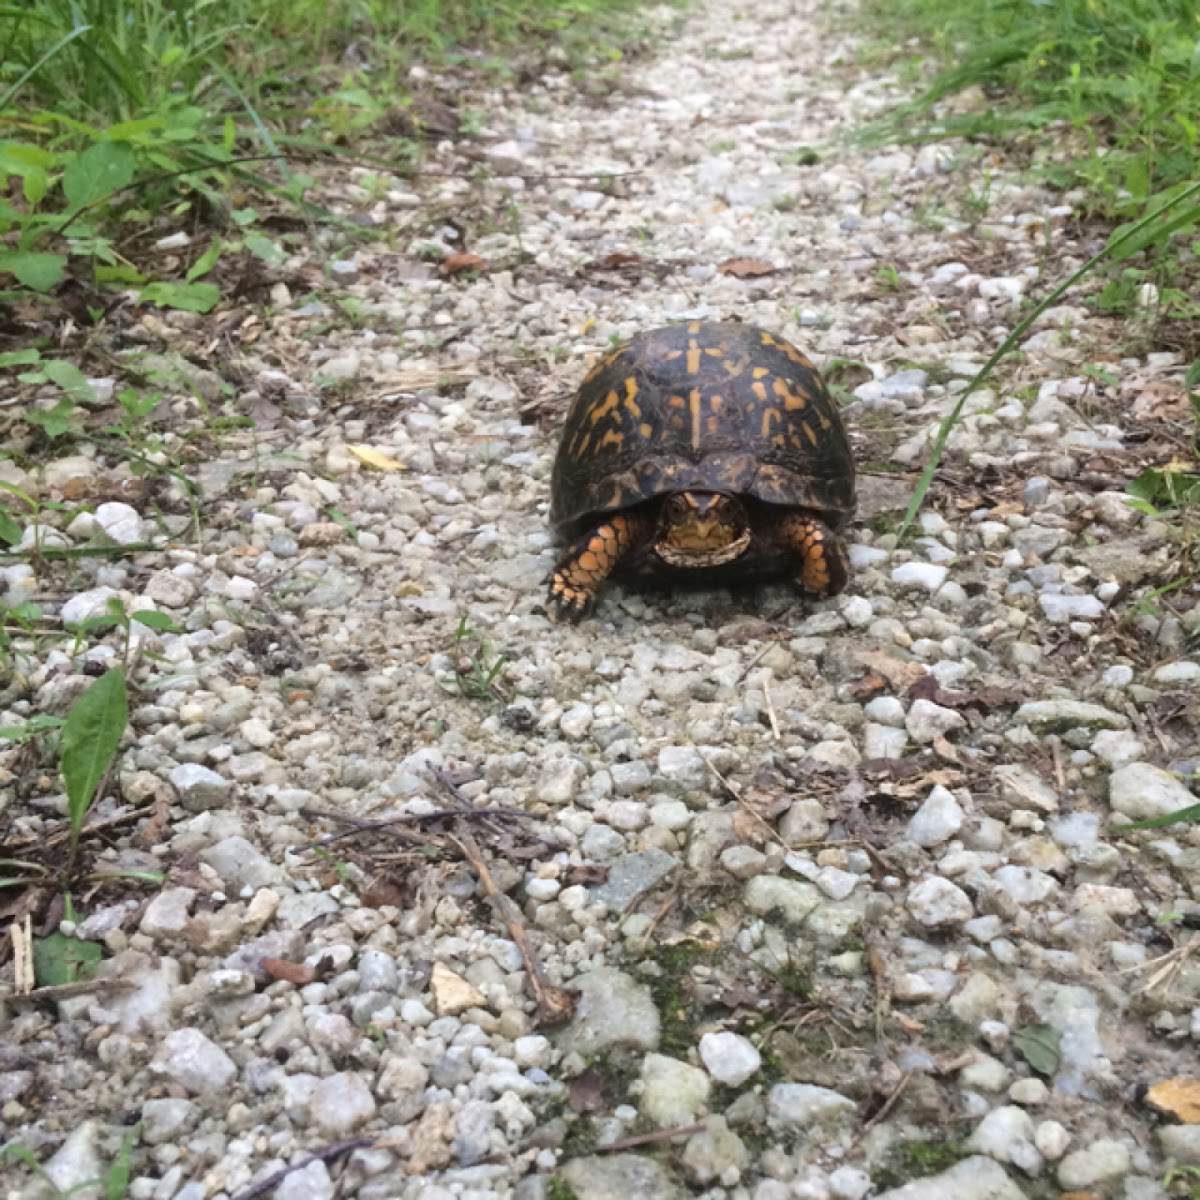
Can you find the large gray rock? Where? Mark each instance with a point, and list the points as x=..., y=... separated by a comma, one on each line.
x=620, y=1177
x=1140, y=791
x=975, y=1178
x=614, y=1010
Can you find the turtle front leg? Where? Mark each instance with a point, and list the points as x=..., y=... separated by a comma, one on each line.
x=824, y=564
x=592, y=559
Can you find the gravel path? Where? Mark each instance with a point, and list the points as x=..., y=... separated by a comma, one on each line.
x=885, y=931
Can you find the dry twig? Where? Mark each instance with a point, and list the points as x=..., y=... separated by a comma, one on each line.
x=554, y=1004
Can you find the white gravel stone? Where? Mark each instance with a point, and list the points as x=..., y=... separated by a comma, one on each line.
x=92, y=603
x=1051, y=1139
x=341, y=1104
x=729, y=1058
x=937, y=820
x=1139, y=791
x=926, y=577
x=802, y=1106
x=193, y=1061
x=168, y=913
x=1063, y=608
x=938, y=903
x=1098, y=1163
x=673, y=1092
x=200, y=787
x=120, y=523
x=1118, y=747
x=926, y=721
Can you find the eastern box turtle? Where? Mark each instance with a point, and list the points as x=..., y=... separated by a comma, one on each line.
x=707, y=453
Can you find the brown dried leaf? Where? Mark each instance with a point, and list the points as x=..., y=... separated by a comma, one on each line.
x=746, y=268
x=618, y=259
x=749, y=829
x=944, y=750
x=890, y=768
x=1178, y=1097
x=1160, y=398
x=899, y=672
x=767, y=803
x=587, y=874
x=290, y=972
x=868, y=687
x=455, y=264
x=928, y=688
x=382, y=893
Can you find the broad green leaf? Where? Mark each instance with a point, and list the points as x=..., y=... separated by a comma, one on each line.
x=154, y=620
x=34, y=727
x=59, y=959
x=20, y=358
x=263, y=247
x=190, y=297
x=121, y=273
x=70, y=378
x=56, y=421
x=1038, y=1046
x=34, y=269
x=205, y=262
x=132, y=131
x=20, y=158
x=10, y=530
x=97, y=172
x=35, y=185
x=90, y=737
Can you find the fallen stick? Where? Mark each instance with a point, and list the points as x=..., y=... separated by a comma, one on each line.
x=324, y=1155
x=647, y=1139
x=554, y=1004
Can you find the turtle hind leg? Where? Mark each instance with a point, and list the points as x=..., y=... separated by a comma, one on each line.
x=823, y=562
x=592, y=559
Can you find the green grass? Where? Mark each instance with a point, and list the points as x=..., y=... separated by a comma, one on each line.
x=1105, y=92
x=141, y=112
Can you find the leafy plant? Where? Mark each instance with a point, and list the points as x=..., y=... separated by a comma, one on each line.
x=477, y=667
x=1117, y=80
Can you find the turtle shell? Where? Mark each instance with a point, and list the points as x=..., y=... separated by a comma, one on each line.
x=705, y=407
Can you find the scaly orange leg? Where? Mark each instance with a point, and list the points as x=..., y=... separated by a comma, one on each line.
x=592, y=559
x=824, y=565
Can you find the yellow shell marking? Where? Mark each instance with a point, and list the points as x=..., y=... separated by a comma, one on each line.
x=791, y=400
x=693, y=358
x=769, y=415
x=614, y=437
x=810, y=434
x=694, y=405
x=608, y=405
x=760, y=390
x=676, y=402
x=631, y=406
x=645, y=430
x=760, y=372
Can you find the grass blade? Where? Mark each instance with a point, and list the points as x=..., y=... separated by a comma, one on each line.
x=1114, y=248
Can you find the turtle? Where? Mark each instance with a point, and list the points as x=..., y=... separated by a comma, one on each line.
x=708, y=453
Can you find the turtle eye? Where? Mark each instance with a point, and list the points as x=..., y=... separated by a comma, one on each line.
x=677, y=506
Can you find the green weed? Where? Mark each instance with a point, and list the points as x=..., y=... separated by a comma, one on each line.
x=477, y=668
x=1116, y=80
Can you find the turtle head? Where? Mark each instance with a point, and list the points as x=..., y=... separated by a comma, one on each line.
x=702, y=529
